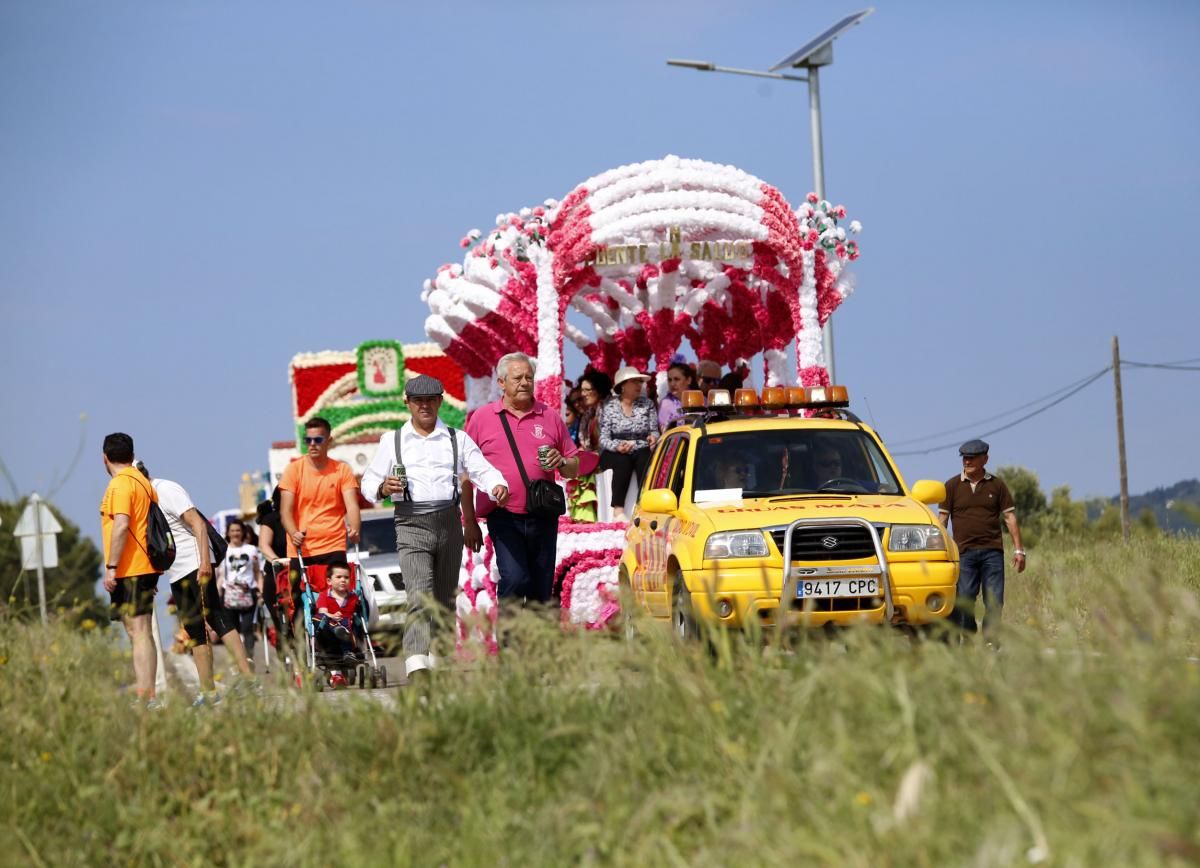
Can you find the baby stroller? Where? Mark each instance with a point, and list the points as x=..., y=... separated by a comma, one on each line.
x=357, y=660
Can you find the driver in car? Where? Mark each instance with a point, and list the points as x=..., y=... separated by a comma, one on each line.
x=826, y=462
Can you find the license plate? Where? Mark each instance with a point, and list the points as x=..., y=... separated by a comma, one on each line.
x=838, y=588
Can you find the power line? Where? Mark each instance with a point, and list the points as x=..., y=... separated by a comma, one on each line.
x=1163, y=366
x=975, y=425
x=1093, y=378
x=1176, y=362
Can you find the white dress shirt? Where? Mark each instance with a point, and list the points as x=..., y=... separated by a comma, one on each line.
x=427, y=463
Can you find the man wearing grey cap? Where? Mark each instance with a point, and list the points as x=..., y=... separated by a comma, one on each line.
x=429, y=533
x=975, y=502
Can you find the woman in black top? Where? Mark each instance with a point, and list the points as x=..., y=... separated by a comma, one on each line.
x=272, y=542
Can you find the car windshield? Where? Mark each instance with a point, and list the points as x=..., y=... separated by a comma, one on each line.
x=378, y=535
x=790, y=461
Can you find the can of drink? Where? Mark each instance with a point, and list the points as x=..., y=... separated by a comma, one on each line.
x=543, y=456
x=399, y=471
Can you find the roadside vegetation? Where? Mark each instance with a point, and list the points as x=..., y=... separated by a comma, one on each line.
x=1076, y=744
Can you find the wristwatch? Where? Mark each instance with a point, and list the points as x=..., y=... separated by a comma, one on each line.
x=110, y=566
x=1020, y=552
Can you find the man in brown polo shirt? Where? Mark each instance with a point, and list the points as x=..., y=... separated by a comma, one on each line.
x=975, y=502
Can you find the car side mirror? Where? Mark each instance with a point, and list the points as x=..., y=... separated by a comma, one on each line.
x=929, y=491
x=660, y=500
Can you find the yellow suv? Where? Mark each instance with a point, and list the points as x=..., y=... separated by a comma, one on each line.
x=736, y=484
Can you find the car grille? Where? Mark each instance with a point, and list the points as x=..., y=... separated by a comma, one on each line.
x=838, y=604
x=827, y=604
x=810, y=543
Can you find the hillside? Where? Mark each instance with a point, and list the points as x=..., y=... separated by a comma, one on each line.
x=1163, y=502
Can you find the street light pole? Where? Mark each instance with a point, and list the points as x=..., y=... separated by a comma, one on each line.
x=810, y=57
x=818, y=162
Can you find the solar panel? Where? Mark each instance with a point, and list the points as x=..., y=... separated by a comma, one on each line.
x=797, y=57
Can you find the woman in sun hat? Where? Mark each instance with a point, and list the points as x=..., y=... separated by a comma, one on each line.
x=628, y=431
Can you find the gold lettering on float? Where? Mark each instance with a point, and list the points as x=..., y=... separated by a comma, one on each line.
x=673, y=248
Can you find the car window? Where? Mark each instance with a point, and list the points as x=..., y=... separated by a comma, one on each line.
x=667, y=454
x=378, y=535
x=680, y=469
x=772, y=462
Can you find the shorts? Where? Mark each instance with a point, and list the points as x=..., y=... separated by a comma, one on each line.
x=192, y=600
x=133, y=596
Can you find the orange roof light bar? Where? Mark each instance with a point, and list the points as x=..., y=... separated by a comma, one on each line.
x=828, y=396
x=774, y=398
x=719, y=398
x=692, y=400
x=745, y=399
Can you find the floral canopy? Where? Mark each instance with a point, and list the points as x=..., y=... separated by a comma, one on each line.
x=635, y=260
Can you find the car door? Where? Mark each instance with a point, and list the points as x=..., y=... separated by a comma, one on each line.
x=656, y=528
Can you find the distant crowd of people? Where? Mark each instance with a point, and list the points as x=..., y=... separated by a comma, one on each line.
x=621, y=418
x=440, y=482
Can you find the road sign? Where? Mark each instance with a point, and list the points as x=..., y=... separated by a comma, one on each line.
x=27, y=523
x=38, y=529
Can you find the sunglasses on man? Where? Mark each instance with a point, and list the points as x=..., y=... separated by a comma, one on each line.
x=314, y=441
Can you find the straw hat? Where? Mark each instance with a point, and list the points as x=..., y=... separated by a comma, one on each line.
x=629, y=372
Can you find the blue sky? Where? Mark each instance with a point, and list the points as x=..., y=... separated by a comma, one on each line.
x=194, y=192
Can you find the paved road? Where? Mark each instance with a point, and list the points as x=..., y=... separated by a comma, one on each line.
x=181, y=676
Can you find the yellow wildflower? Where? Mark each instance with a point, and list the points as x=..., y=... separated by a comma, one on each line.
x=46, y=756
x=862, y=798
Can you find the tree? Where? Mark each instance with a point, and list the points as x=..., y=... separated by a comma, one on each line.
x=72, y=584
x=1026, y=491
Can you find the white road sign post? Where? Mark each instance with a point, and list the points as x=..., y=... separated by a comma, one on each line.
x=38, y=531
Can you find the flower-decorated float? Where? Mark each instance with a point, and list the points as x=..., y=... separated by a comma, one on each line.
x=627, y=266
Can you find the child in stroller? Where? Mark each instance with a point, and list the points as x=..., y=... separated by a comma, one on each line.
x=335, y=617
x=338, y=647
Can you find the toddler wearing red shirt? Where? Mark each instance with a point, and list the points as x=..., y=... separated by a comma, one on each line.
x=336, y=605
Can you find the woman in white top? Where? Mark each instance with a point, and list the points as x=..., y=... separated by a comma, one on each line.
x=240, y=581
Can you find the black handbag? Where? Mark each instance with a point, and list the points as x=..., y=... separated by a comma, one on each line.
x=543, y=498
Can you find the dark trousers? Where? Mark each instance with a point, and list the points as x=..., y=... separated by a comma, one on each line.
x=624, y=465
x=525, y=547
x=979, y=569
x=246, y=625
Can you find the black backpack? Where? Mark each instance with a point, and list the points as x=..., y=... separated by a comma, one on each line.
x=160, y=542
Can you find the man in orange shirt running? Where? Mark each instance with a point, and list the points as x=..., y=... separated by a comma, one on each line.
x=129, y=577
x=318, y=498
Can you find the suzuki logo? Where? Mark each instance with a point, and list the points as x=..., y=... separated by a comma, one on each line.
x=830, y=542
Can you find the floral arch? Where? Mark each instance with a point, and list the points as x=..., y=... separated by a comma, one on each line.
x=637, y=259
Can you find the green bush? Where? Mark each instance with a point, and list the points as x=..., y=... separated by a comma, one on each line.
x=1075, y=745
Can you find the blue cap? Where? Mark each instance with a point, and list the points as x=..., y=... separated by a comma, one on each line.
x=973, y=447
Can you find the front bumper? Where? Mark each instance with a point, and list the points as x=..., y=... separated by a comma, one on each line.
x=752, y=594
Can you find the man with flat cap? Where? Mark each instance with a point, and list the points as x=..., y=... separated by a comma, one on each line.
x=429, y=533
x=975, y=502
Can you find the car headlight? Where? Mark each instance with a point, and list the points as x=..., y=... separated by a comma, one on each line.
x=916, y=538
x=736, y=544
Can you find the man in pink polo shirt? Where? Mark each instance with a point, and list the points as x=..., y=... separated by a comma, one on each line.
x=525, y=544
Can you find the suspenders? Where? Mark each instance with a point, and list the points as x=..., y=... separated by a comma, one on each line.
x=453, y=470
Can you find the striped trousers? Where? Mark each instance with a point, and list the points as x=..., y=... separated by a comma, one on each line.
x=431, y=549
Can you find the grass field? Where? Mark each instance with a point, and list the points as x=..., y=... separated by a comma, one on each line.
x=1076, y=745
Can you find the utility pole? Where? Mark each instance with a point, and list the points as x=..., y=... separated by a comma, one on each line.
x=1116, y=364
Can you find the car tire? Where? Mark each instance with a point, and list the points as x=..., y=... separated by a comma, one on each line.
x=683, y=619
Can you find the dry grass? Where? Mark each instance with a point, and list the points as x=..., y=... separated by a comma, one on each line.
x=1075, y=745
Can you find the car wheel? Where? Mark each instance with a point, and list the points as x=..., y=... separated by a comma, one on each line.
x=682, y=618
